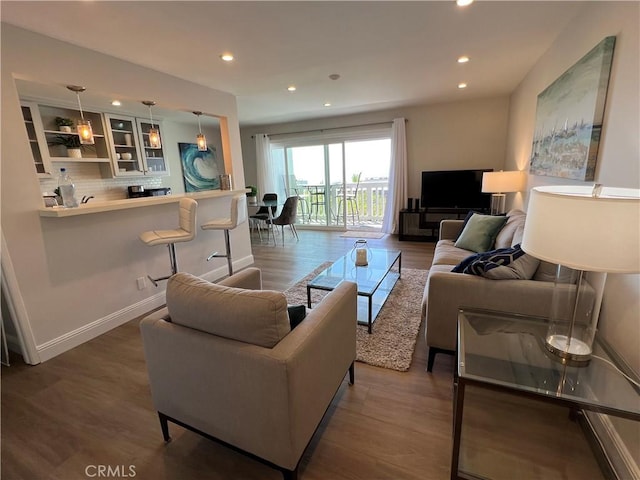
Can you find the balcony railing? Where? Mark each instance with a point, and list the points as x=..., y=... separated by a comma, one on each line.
x=364, y=207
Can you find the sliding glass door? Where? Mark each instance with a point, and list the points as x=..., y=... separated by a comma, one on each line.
x=340, y=184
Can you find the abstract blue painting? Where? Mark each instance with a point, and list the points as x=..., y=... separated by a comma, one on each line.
x=569, y=117
x=200, y=170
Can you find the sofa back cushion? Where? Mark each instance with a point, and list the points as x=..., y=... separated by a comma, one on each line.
x=258, y=317
x=515, y=222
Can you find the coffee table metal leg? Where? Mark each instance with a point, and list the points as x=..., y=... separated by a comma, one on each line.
x=369, y=312
x=308, y=297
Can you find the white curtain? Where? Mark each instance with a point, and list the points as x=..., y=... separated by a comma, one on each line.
x=397, y=194
x=266, y=181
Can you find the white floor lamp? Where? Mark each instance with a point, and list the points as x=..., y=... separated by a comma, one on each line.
x=589, y=229
x=499, y=184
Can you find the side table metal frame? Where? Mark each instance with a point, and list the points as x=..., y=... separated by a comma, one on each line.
x=459, y=386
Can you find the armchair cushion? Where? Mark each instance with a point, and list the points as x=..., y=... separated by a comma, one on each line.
x=258, y=317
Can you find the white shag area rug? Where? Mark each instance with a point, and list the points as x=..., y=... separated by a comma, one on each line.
x=396, y=328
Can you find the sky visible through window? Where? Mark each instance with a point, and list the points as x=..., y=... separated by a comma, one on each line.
x=371, y=157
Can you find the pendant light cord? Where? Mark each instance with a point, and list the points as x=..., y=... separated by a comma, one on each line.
x=151, y=117
x=80, y=105
x=199, y=127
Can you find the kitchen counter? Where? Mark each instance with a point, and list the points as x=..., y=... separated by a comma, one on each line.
x=126, y=203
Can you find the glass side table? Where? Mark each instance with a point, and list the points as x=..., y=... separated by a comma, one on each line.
x=505, y=352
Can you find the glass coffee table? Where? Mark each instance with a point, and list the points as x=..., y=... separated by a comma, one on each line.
x=375, y=281
x=501, y=352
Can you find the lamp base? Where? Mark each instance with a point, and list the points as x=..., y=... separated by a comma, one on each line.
x=574, y=349
x=497, y=203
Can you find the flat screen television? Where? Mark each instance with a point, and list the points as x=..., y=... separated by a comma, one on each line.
x=454, y=189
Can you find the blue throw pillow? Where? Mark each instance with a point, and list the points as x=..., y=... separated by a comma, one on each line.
x=500, y=264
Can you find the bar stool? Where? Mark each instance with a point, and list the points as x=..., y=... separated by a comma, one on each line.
x=238, y=215
x=184, y=233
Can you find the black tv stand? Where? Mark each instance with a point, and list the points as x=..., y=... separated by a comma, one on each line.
x=423, y=225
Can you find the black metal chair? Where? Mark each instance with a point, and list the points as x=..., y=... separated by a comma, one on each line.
x=288, y=216
x=262, y=215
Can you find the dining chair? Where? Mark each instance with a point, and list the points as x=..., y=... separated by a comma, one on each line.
x=288, y=216
x=262, y=215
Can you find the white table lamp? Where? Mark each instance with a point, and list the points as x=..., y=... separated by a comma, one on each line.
x=590, y=229
x=500, y=183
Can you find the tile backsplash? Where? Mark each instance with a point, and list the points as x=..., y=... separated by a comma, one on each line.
x=88, y=181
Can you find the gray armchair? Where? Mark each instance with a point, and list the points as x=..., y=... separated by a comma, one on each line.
x=223, y=362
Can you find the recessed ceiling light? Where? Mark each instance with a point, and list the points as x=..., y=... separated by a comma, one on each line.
x=327, y=104
x=116, y=103
x=334, y=76
x=291, y=88
x=227, y=57
x=463, y=59
x=464, y=3
x=462, y=85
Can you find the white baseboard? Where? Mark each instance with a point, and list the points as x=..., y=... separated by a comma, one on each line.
x=72, y=339
x=96, y=328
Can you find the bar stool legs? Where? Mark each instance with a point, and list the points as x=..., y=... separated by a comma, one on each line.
x=227, y=244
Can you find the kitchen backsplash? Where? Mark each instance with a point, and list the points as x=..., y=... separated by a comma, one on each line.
x=86, y=179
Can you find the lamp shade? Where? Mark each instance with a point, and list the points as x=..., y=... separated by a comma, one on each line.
x=569, y=226
x=502, y=182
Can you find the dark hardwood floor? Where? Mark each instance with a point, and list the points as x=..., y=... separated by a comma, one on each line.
x=91, y=406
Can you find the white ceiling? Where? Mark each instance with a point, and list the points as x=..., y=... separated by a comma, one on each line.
x=388, y=54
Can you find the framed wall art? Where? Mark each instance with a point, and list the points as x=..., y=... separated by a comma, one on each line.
x=200, y=170
x=569, y=117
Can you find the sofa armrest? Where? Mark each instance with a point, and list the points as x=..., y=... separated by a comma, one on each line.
x=447, y=292
x=249, y=278
x=450, y=229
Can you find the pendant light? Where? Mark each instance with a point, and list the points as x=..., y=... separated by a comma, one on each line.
x=201, y=140
x=83, y=128
x=154, y=134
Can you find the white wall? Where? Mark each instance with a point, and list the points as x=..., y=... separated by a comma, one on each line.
x=618, y=158
x=467, y=134
x=76, y=277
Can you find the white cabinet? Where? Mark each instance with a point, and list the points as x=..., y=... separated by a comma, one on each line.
x=123, y=138
x=154, y=160
x=121, y=147
x=51, y=146
x=35, y=134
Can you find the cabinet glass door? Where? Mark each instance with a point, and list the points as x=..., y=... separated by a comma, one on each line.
x=33, y=126
x=126, y=154
x=153, y=159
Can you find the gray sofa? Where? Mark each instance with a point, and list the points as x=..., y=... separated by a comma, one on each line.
x=446, y=292
x=225, y=363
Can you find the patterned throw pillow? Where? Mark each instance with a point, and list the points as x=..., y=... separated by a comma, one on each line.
x=501, y=264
